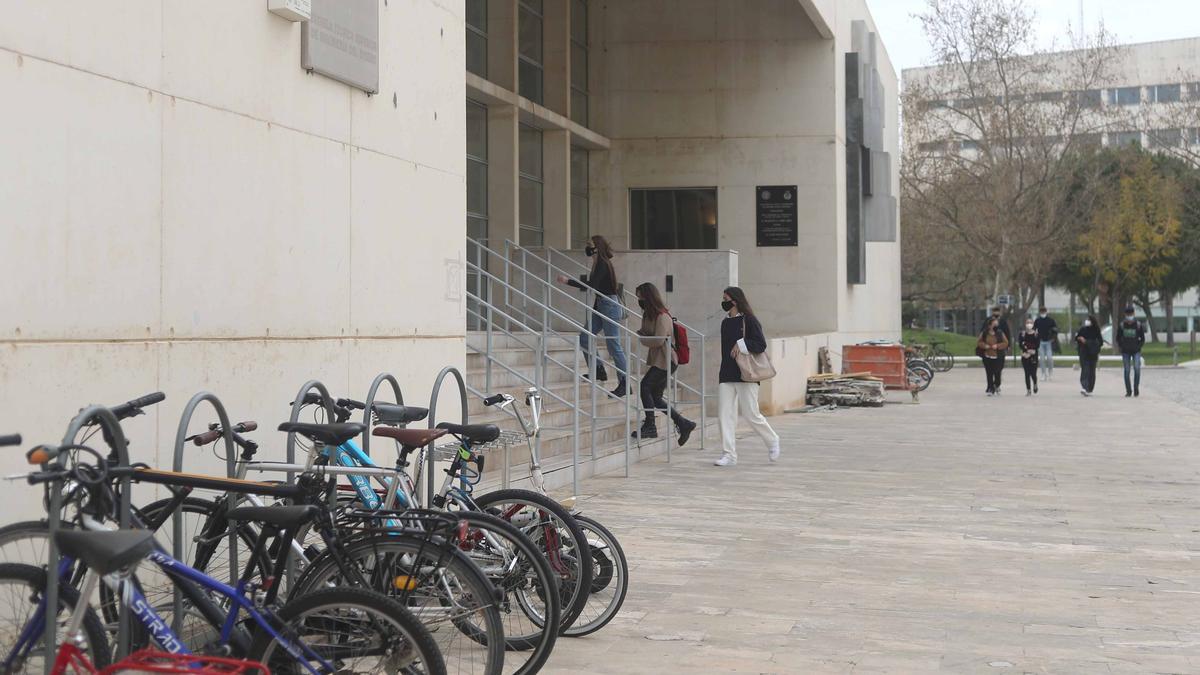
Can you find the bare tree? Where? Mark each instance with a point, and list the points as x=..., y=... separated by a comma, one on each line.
x=993, y=135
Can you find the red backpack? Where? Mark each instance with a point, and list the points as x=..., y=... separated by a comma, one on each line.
x=683, y=353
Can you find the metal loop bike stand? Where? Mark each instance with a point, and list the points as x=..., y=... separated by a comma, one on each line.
x=370, y=401
x=230, y=502
x=115, y=437
x=330, y=416
x=433, y=399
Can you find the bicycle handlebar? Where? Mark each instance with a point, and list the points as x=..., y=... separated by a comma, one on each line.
x=10, y=439
x=134, y=407
x=214, y=432
x=497, y=398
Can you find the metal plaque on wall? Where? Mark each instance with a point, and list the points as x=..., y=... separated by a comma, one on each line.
x=776, y=216
x=341, y=41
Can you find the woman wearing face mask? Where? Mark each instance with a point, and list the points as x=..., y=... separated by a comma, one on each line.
x=603, y=279
x=740, y=331
x=1030, y=344
x=990, y=347
x=1089, y=342
x=657, y=331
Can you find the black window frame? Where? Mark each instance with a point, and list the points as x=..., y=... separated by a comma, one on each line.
x=644, y=241
x=481, y=33
x=527, y=65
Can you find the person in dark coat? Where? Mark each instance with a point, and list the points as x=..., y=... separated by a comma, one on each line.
x=1130, y=337
x=740, y=331
x=1002, y=322
x=1047, y=330
x=607, y=315
x=1089, y=342
x=990, y=347
x=1030, y=344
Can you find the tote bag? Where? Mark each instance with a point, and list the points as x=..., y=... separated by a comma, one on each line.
x=754, y=367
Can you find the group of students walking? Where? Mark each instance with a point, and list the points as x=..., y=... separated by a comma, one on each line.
x=1036, y=343
x=741, y=331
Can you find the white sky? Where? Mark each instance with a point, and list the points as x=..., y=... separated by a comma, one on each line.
x=1128, y=20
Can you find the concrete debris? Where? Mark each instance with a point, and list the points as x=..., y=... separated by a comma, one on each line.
x=850, y=389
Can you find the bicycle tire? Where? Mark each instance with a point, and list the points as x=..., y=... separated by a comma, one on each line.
x=517, y=590
x=609, y=568
x=575, y=591
x=34, y=579
x=350, y=603
x=481, y=626
x=920, y=375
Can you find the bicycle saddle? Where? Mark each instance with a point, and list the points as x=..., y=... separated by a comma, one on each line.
x=473, y=434
x=325, y=434
x=106, y=552
x=413, y=438
x=284, y=517
x=390, y=413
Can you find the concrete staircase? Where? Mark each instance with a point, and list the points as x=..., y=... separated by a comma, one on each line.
x=557, y=435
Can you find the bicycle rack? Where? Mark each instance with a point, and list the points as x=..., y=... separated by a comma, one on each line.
x=433, y=399
x=370, y=401
x=297, y=404
x=114, y=436
x=177, y=466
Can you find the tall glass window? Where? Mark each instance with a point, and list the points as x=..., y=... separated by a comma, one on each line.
x=579, y=61
x=477, y=40
x=674, y=219
x=580, y=228
x=531, y=187
x=529, y=50
x=477, y=201
x=1165, y=93
x=1125, y=96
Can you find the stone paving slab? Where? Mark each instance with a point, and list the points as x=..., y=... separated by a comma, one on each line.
x=1051, y=534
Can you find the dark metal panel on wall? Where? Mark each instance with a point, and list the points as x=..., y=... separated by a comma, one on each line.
x=856, y=241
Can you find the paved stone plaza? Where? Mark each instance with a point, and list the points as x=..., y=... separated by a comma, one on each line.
x=965, y=534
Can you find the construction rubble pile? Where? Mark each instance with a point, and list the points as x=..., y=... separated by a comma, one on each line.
x=849, y=389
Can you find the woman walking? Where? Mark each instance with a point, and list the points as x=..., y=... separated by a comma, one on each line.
x=656, y=334
x=1089, y=342
x=991, y=346
x=740, y=331
x=1030, y=344
x=607, y=312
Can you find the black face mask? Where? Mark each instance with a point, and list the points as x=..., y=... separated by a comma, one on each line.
x=726, y=305
x=590, y=251
x=641, y=303
x=995, y=316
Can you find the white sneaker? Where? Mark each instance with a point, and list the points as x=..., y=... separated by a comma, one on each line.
x=726, y=460
x=773, y=453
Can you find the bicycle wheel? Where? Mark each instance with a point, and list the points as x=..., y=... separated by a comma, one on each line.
x=25, y=542
x=610, y=579
x=920, y=375
x=948, y=359
x=553, y=530
x=436, y=582
x=530, y=608
x=359, y=630
x=22, y=588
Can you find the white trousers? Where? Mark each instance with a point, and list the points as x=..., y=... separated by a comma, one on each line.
x=735, y=397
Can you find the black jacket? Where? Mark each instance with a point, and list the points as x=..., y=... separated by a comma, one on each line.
x=1046, y=327
x=602, y=279
x=1030, y=343
x=1093, y=343
x=731, y=332
x=1130, y=336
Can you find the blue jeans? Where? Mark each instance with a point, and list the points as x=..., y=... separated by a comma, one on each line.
x=1046, y=357
x=1134, y=361
x=607, y=306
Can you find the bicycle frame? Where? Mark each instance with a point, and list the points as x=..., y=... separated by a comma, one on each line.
x=158, y=629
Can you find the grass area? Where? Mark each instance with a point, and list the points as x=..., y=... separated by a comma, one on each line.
x=963, y=346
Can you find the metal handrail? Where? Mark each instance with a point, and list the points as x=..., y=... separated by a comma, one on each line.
x=584, y=268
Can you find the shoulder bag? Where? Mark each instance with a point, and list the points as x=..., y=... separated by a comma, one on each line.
x=754, y=367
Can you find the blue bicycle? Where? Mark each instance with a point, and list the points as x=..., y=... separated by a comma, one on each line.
x=346, y=629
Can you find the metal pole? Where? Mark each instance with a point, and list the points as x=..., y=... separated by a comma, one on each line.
x=703, y=392
x=575, y=433
x=628, y=384
x=669, y=398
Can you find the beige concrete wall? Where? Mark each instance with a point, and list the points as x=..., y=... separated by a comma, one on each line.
x=732, y=96
x=185, y=208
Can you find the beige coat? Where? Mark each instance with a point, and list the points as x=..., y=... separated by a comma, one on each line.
x=656, y=336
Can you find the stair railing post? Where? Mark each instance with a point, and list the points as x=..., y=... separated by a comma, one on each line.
x=628, y=384
x=575, y=431
x=669, y=395
x=593, y=364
